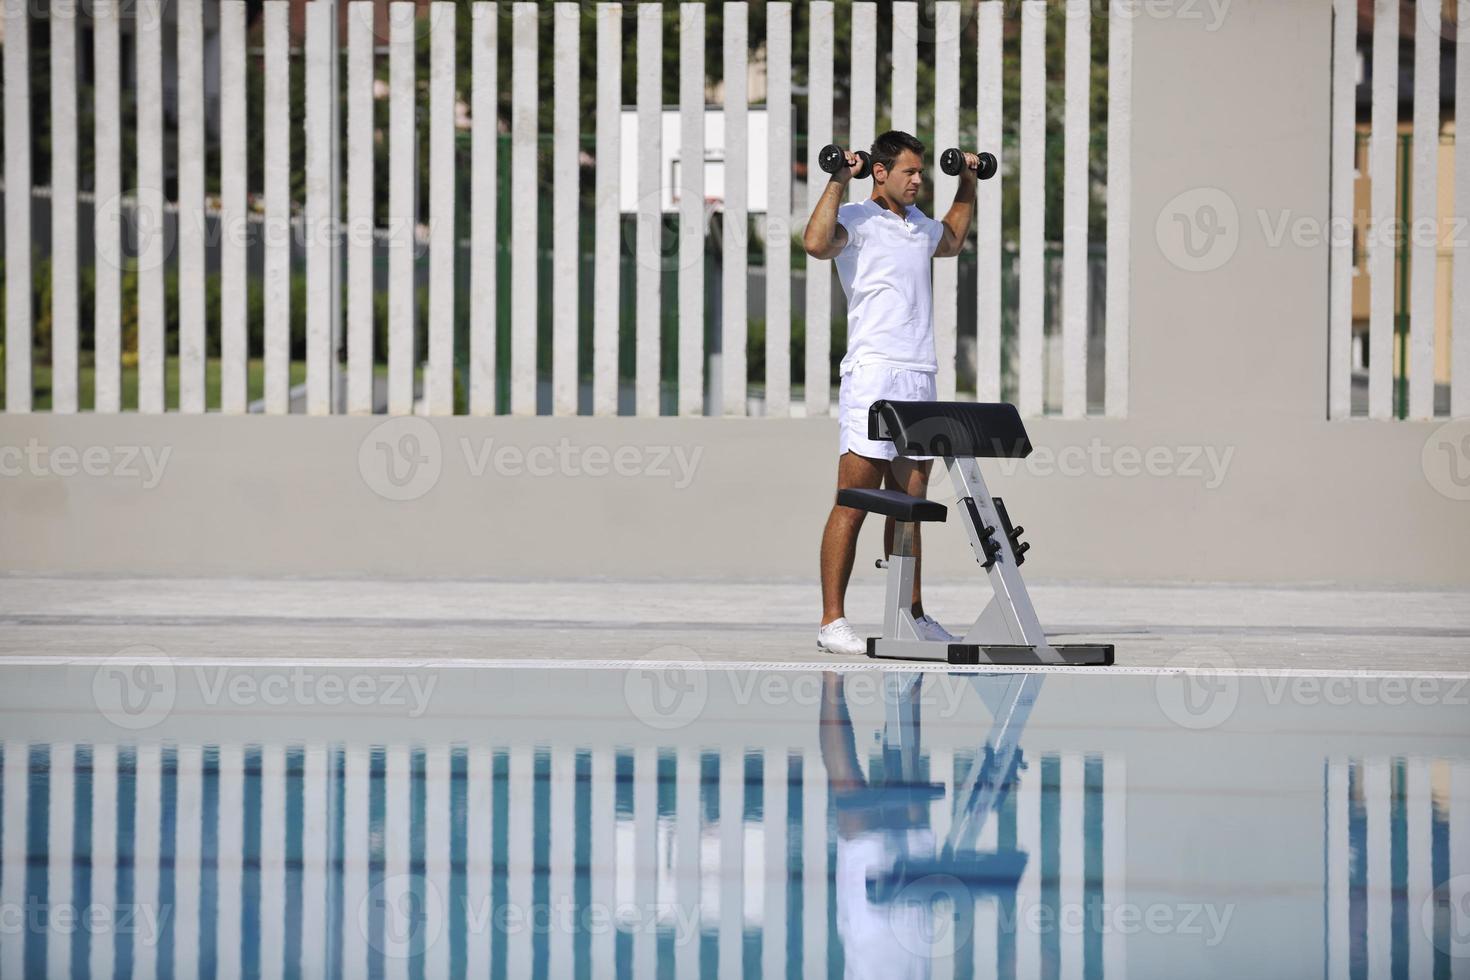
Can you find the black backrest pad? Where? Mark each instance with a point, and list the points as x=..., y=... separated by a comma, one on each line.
x=983, y=429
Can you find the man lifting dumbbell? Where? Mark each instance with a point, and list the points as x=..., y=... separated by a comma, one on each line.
x=882, y=248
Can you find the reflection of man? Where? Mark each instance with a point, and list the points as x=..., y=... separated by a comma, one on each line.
x=885, y=940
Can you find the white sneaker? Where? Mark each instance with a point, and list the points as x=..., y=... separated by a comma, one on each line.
x=838, y=636
x=933, y=631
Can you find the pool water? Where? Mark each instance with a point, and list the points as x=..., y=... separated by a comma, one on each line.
x=162, y=818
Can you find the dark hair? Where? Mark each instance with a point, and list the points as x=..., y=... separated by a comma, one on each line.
x=887, y=147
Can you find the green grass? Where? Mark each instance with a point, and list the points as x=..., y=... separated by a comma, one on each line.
x=86, y=379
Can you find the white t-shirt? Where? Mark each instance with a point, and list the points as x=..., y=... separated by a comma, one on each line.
x=884, y=271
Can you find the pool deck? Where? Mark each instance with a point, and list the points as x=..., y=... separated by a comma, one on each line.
x=420, y=621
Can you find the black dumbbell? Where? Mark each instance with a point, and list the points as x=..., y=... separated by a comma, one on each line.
x=953, y=159
x=832, y=159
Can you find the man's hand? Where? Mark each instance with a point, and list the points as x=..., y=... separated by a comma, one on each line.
x=969, y=173
x=843, y=175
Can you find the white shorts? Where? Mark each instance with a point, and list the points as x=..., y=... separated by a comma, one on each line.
x=866, y=384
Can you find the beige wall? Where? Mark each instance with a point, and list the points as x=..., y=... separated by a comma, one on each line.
x=1231, y=360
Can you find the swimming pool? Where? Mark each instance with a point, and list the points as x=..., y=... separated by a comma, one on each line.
x=161, y=817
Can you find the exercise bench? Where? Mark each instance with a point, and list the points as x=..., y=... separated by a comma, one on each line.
x=1006, y=633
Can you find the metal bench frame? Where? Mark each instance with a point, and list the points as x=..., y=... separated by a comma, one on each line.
x=1007, y=631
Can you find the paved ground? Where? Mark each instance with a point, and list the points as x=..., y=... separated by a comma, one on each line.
x=65, y=619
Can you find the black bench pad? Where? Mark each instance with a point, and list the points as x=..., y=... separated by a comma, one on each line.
x=893, y=503
x=957, y=429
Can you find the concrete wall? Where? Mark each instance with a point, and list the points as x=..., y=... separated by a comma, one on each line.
x=1249, y=481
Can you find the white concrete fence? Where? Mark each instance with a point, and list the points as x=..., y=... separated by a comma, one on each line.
x=496, y=35
x=1385, y=238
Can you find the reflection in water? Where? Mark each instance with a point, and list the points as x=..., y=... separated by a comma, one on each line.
x=997, y=869
x=907, y=835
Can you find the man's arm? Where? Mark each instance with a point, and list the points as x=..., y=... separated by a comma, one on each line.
x=824, y=237
x=957, y=221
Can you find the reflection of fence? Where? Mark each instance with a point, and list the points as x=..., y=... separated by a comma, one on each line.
x=1397, y=866
x=502, y=373
x=1403, y=229
x=513, y=861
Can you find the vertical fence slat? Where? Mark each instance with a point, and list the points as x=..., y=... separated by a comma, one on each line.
x=813, y=789
x=863, y=99
x=484, y=181
x=397, y=850
x=147, y=847
x=189, y=830
x=1119, y=291
x=63, y=24
x=688, y=860
x=1378, y=804
x=775, y=789
x=818, y=271
x=691, y=208
x=1418, y=801
x=234, y=221
x=61, y=849
x=1033, y=206
x=438, y=831
x=1075, y=191
x=1460, y=326
x=645, y=849
x=402, y=208
x=277, y=238
x=107, y=228
x=439, y=383
x=524, y=297
x=990, y=29
x=191, y=235
x=520, y=866
x=566, y=58
x=946, y=134
x=479, y=830
x=315, y=860
x=736, y=220
x=360, y=220
x=731, y=863
x=607, y=237
x=1335, y=882
x=18, y=313
x=1115, y=859
x=103, y=865
x=150, y=227
x=603, y=804
x=13, y=839
x=778, y=209
x=272, y=894
x=1344, y=138
x=904, y=112
x=1382, y=163
x=647, y=332
x=559, y=877
x=1424, y=244
x=356, y=851
x=320, y=249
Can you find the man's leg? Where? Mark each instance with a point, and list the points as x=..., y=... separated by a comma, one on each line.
x=839, y=538
x=911, y=476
